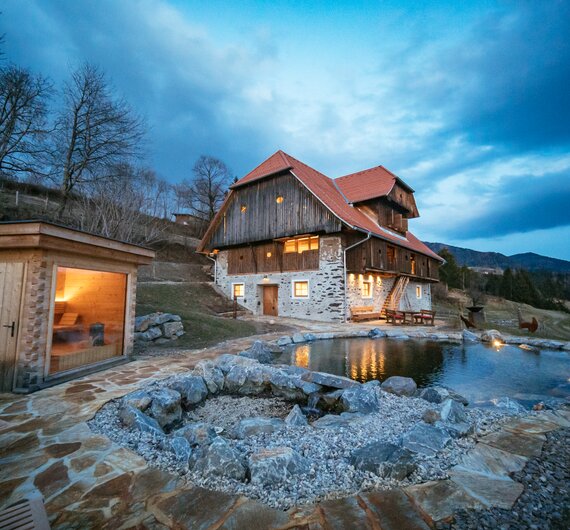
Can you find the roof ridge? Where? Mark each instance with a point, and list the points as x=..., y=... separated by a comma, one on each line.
x=366, y=171
x=288, y=156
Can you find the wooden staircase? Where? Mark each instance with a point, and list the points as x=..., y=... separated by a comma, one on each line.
x=392, y=301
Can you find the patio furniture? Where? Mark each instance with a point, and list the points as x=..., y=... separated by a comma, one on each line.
x=425, y=317
x=26, y=513
x=394, y=317
x=366, y=312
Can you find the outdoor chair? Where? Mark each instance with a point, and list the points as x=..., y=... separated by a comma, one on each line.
x=425, y=317
x=394, y=317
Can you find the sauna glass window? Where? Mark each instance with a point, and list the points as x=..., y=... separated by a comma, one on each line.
x=238, y=290
x=302, y=244
x=418, y=292
x=366, y=289
x=88, y=318
x=301, y=289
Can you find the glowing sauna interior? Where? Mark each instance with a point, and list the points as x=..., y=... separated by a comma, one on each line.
x=89, y=318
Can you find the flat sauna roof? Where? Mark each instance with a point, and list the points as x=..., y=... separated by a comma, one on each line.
x=49, y=236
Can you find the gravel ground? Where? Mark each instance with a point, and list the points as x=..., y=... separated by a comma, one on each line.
x=328, y=450
x=237, y=408
x=545, y=502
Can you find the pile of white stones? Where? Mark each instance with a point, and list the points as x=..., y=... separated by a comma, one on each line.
x=365, y=435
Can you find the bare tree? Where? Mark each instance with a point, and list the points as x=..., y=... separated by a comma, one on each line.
x=95, y=130
x=122, y=206
x=208, y=189
x=23, y=120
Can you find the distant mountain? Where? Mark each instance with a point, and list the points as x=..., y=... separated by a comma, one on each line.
x=527, y=260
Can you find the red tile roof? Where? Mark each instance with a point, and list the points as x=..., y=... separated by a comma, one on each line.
x=367, y=184
x=336, y=199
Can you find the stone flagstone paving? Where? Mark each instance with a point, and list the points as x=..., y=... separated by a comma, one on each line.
x=89, y=482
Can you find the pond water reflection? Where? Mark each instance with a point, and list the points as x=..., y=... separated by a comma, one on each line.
x=477, y=371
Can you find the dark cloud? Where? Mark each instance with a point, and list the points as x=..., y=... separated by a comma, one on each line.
x=520, y=206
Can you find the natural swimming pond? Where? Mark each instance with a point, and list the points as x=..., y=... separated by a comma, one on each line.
x=478, y=371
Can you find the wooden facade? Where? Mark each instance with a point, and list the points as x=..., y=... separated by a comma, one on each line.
x=270, y=257
x=268, y=209
x=377, y=255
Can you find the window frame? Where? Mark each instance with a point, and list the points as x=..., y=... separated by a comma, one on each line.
x=234, y=284
x=371, y=290
x=300, y=280
x=419, y=292
x=313, y=244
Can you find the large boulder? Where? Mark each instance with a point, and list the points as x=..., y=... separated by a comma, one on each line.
x=401, y=386
x=172, y=330
x=220, y=459
x=259, y=351
x=330, y=401
x=140, y=399
x=150, y=334
x=197, y=434
x=227, y=361
x=384, y=459
x=276, y=465
x=296, y=418
x=453, y=412
x=142, y=323
x=284, y=341
x=438, y=394
x=376, y=333
x=492, y=335
x=257, y=380
x=361, y=398
x=192, y=389
x=257, y=425
x=332, y=381
x=425, y=439
x=165, y=407
x=211, y=374
x=181, y=448
x=469, y=336
x=291, y=385
x=135, y=419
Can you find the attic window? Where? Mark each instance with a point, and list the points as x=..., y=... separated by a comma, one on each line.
x=243, y=208
x=279, y=199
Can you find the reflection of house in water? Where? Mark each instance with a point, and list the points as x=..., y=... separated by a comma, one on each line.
x=365, y=359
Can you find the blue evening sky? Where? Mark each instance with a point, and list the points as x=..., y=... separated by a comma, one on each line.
x=469, y=102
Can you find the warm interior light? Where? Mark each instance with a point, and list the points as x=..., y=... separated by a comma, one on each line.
x=268, y=254
x=243, y=208
x=279, y=199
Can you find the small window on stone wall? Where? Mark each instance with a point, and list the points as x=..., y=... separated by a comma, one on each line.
x=301, y=289
x=418, y=292
x=367, y=289
x=238, y=290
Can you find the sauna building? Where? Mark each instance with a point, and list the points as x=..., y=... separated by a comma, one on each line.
x=67, y=303
x=290, y=241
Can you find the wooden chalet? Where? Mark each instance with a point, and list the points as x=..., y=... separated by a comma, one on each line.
x=290, y=241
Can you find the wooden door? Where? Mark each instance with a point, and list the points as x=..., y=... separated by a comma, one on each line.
x=11, y=278
x=270, y=300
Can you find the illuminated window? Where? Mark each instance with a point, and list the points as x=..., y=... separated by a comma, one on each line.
x=418, y=292
x=89, y=318
x=268, y=255
x=301, y=289
x=238, y=290
x=413, y=263
x=243, y=208
x=302, y=244
x=279, y=199
x=367, y=289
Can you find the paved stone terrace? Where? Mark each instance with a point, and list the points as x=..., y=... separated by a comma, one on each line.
x=88, y=482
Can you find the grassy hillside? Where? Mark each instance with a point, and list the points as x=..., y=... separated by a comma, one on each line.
x=197, y=304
